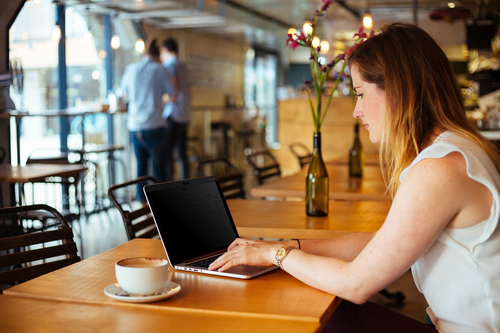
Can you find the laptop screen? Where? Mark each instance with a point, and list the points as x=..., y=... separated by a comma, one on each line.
x=192, y=217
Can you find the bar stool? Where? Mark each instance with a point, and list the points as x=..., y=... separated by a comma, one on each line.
x=230, y=178
x=221, y=130
x=265, y=166
x=301, y=152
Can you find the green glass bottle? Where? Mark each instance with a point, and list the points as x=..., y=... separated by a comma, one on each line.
x=317, y=182
x=356, y=155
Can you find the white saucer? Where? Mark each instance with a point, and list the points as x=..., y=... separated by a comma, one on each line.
x=115, y=291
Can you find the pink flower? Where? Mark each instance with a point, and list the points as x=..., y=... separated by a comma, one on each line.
x=351, y=50
x=292, y=42
x=360, y=33
x=372, y=33
x=304, y=39
x=326, y=4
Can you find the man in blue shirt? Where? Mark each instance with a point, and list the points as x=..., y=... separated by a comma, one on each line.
x=144, y=83
x=177, y=112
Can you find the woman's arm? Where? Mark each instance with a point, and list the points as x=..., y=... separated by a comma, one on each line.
x=433, y=193
x=345, y=247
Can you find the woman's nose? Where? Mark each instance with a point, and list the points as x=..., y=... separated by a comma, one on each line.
x=357, y=113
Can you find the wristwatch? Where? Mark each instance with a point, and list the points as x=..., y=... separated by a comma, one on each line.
x=282, y=253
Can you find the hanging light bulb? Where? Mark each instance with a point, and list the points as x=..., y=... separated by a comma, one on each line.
x=56, y=32
x=367, y=21
x=115, y=42
x=96, y=75
x=307, y=27
x=139, y=45
x=325, y=46
x=315, y=42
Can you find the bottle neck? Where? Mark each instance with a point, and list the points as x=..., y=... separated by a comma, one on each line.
x=317, y=140
x=356, y=129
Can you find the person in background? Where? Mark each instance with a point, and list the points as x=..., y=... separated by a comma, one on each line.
x=177, y=112
x=444, y=179
x=144, y=84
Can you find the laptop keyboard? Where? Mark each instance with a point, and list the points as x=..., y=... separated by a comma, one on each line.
x=204, y=263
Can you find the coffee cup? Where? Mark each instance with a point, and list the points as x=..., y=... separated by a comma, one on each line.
x=142, y=276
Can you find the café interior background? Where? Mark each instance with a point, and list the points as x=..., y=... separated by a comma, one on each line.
x=237, y=59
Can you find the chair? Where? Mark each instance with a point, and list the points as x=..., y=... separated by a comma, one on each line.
x=21, y=255
x=301, y=152
x=71, y=204
x=138, y=222
x=265, y=166
x=230, y=179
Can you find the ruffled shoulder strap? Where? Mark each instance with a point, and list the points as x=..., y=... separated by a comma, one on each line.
x=479, y=168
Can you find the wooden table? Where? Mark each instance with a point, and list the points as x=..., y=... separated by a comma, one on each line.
x=288, y=219
x=21, y=315
x=370, y=187
x=18, y=115
x=36, y=173
x=270, y=297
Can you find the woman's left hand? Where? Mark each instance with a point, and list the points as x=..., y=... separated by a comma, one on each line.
x=247, y=252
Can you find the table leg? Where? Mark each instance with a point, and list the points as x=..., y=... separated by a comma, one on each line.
x=207, y=133
x=18, y=140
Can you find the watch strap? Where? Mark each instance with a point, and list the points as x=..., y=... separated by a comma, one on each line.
x=280, y=256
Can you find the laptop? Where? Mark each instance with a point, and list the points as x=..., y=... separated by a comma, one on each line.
x=195, y=225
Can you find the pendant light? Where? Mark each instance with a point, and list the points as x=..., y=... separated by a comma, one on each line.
x=307, y=27
x=367, y=19
x=115, y=41
x=139, y=45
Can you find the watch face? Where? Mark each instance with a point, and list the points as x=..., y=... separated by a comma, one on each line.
x=281, y=252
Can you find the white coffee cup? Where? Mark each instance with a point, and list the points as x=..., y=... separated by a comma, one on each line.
x=142, y=276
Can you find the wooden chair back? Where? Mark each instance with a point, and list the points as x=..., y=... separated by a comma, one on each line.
x=301, y=153
x=230, y=179
x=20, y=256
x=138, y=222
x=265, y=166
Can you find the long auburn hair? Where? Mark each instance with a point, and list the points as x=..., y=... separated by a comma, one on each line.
x=422, y=93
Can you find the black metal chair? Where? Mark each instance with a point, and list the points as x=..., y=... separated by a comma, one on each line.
x=25, y=257
x=230, y=179
x=301, y=152
x=71, y=201
x=138, y=222
x=265, y=166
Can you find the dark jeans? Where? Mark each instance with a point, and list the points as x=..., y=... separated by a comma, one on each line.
x=176, y=138
x=372, y=318
x=149, y=144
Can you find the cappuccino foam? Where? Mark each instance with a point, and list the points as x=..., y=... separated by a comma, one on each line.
x=142, y=263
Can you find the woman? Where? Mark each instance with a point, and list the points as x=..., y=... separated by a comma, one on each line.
x=444, y=180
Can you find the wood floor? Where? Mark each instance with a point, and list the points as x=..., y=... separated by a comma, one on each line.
x=105, y=230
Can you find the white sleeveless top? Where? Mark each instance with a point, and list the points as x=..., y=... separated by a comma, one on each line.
x=460, y=274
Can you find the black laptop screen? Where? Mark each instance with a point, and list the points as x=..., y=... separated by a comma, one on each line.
x=192, y=218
